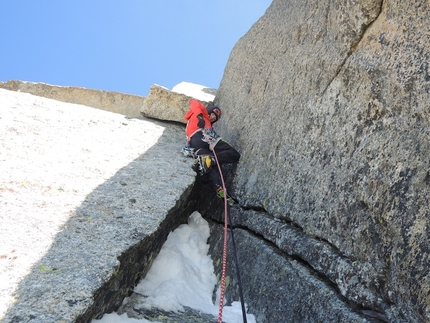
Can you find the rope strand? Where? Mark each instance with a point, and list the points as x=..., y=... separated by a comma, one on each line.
x=224, y=255
x=239, y=280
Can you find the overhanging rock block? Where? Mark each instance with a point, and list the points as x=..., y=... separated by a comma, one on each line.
x=169, y=105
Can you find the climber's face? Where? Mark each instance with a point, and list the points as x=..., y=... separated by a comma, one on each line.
x=212, y=117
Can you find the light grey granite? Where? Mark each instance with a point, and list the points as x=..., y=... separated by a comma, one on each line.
x=87, y=197
x=126, y=104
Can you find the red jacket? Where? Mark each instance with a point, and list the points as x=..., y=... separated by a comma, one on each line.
x=191, y=116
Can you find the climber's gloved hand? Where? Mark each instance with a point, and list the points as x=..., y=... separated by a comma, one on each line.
x=201, y=123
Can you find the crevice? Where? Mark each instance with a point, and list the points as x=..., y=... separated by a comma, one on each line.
x=252, y=208
x=339, y=68
x=354, y=306
x=285, y=220
x=289, y=222
x=352, y=50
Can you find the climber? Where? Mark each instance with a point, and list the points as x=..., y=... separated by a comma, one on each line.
x=203, y=141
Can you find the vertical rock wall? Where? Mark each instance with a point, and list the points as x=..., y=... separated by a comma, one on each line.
x=328, y=103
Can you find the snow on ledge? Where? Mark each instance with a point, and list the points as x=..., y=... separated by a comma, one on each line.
x=197, y=91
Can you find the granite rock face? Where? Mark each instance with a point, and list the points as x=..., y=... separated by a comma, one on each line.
x=279, y=289
x=327, y=101
x=87, y=199
x=170, y=105
x=125, y=104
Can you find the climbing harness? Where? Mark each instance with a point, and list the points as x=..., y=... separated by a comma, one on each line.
x=211, y=138
x=227, y=221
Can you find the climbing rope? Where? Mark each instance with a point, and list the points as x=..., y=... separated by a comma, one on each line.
x=227, y=221
x=239, y=280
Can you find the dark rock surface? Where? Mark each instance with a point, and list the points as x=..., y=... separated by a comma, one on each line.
x=288, y=276
x=282, y=289
x=189, y=315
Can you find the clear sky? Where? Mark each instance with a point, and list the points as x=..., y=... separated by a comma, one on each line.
x=122, y=45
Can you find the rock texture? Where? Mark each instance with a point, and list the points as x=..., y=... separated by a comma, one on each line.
x=87, y=199
x=288, y=291
x=163, y=104
x=327, y=101
x=133, y=309
x=126, y=104
x=288, y=276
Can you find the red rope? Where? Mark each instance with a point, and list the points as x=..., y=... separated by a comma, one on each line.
x=224, y=254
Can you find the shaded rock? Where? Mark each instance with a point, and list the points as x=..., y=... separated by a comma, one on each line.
x=322, y=265
x=126, y=104
x=133, y=310
x=328, y=104
x=164, y=104
x=278, y=288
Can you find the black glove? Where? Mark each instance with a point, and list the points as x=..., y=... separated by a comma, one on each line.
x=201, y=124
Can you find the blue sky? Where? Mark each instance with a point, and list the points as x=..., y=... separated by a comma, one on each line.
x=124, y=46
